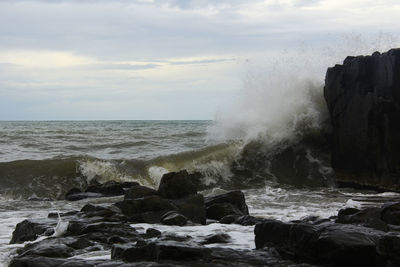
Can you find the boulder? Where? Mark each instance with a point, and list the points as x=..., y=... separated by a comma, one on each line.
x=363, y=99
x=328, y=243
x=178, y=184
x=391, y=213
x=139, y=191
x=173, y=218
x=192, y=207
x=130, y=207
x=29, y=230
x=235, y=198
x=369, y=217
x=217, y=238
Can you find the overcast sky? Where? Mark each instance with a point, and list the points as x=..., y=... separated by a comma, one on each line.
x=154, y=59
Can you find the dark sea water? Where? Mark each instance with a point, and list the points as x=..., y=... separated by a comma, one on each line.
x=41, y=160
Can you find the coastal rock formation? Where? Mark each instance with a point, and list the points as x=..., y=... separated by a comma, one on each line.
x=111, y=227
x=356, y=237
x=363, y=98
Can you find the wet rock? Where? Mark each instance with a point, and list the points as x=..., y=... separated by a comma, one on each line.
x=389, y=247
x=109, y=188
x=155, y=251
x=174, y=237
x=51, y=247
x=391, y=213
x=130, y=207
x=192, y=207
x=195, y=255
x=139, y=191
x=217, y=238
x=82, y=195
x=228, y=219
x=369, y=217
x=327, y=243
x=363, y=99
x=219, y=210
x=235, y=198
x=178, y=184
x=97, y=210
x=173, y=218
x=248, y=220
x=29, y=230
x=151, y=232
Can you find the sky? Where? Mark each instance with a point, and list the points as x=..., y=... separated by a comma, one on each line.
x=154, y=59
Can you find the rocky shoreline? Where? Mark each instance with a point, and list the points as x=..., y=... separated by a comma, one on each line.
x=366, y=237
x=364, y=105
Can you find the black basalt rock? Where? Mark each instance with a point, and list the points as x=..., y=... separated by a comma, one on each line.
x=178, y=184
x=363, y=99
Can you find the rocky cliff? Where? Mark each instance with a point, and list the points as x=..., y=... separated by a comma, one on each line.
x=363, y=98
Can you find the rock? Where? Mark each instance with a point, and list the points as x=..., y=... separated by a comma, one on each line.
x=391, y=213
x=151, y=232
x=328, y=243
x=369, y=217
x=83, y=195
x=51, y=247
x=139, y=191
x=363, y=99
x=96, y=210
x=219, y=210
x=109, y=188
x=236, y=198
x=192, y=207
x=173, y=218
x=248, y=220
x=148, y=209
x=228, y=219
x=174, y=237
x=217, y=238
x=29, y=230
x=178, y=184
x=185, y=254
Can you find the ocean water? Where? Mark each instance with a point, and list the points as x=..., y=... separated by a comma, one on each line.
x=41, y=160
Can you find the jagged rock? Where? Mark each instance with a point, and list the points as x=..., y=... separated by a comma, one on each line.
x=219, y=210
x=173, y=218
x=139, y=191
x=178, y=184
x=248, y=220
x=217, y=238
x=82, y=195
x=369, y=217
x=327, y=243
x=192, y=207
x=148, y=209
x=195, y=255
x=151, y=232
x=363, y=99
x=236, y=198
x=391, y=213
x=29, y=230
x=109, y=188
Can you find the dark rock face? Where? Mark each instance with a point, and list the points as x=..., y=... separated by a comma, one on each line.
x=111, y=227
x=139, y=191
x=29, y=230
x=231, y=203
x=178, y=184
x=329, y=243
x=363, y=98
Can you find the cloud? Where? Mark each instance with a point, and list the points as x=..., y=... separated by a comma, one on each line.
x=124, y=50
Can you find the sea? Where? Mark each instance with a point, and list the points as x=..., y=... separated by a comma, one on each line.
x=285, y=178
